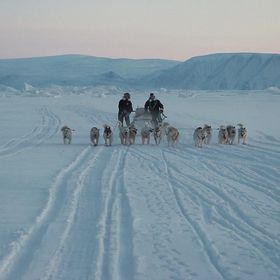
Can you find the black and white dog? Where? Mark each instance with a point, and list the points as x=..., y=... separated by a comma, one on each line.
x=107, y=135
x=242, y=133
x=67, y=134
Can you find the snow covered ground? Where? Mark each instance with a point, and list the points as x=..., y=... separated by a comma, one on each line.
x=139, y=212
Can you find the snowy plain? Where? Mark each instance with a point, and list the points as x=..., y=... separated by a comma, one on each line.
x=138, y=212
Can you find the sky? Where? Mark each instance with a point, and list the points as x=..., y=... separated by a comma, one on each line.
x=177, y=29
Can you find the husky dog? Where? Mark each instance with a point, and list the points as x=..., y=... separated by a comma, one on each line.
x=94, y=136
x=209, y=131
x=132, y=131
x=124, y=135
x=108, y=135
x=164, y=127
x=223, y=135
x=242, y=133
x=199, y=136
x=67, y=134
x=172, y=135
x=146, y=133
x=231, y=130
x=157, y=134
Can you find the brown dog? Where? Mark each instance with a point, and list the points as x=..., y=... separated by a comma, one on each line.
x=157, y=134
x=94, y=136
x=231, y=134
x=209, y=131
x=132, y=131
x=172, y=135
x=146, y=134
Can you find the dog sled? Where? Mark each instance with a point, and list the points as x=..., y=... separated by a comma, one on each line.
x=143, y=117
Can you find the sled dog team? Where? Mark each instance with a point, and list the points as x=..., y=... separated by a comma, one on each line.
x=226, y=135
x=201, y=136
x=128, y=134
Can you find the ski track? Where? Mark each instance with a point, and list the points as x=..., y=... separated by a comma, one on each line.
x=214, y=171
x=53, y=267
x=240, y=224
x=23, y=248
x=105, y=220
x=265, y=241
x=48, y=126
x=115, y=258
x=106, y=217
x=210, y=251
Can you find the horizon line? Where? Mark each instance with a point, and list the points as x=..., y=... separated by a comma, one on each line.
x=134, y=58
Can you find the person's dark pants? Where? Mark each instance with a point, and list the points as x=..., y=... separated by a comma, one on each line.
x=124, y=116
x=155, y=118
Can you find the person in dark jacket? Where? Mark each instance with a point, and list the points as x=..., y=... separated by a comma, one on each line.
x=155, y=107
x=125, y=108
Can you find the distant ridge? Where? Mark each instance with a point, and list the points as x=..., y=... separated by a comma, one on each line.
x=77, y=70
x=241, y=71
x=224, y=71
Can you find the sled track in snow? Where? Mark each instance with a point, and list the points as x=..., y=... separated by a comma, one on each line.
x=198, y=187
x=240, y=223
x=52, y=270
x=48, y=126
x=23, y=249
x=162, y=205
x=115, y=258
x=85, y=199
x=210, y=249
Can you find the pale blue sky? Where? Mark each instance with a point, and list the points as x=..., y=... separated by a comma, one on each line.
x=172, y=29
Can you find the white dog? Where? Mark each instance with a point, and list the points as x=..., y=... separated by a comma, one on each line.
x=94, y=136
x=242, y=133
x=146, y=133
x=223, y=135
x=132, y=131
x=199, y=136
x=157, y=134
x=164, y=127
x=67, y=134
x=209, y=131
x=108, y=135
x=231, y=130
x=172, y=135
x=124, y=135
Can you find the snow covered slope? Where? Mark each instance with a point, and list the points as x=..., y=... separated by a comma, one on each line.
x=76, y=70
x=139, y=212
x=240, y=71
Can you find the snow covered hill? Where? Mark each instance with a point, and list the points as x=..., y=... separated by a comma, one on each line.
x=240, y=71
x=77, y=70
x=142, y=212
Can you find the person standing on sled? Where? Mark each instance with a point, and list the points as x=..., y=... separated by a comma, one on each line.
x=125, y=108
x=155, y=108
